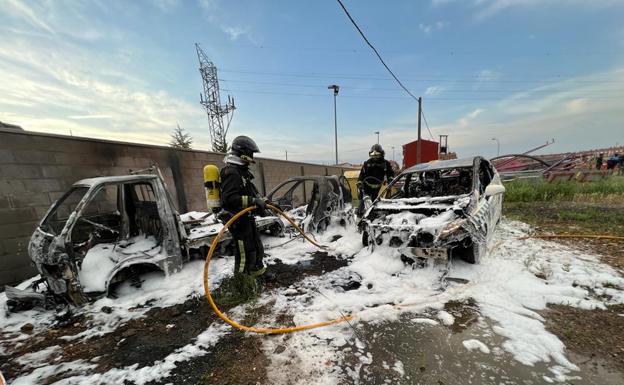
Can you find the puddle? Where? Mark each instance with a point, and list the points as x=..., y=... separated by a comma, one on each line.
x=414, y=351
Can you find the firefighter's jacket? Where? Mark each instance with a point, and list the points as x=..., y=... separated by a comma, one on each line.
x=373, y=173
x=237, y=188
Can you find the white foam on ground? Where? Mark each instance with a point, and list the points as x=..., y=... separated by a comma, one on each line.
x=504, y=286
x=476, y=345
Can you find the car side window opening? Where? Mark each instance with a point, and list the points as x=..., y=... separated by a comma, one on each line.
x=100, y=219
x=485, y=175
x=141, y=208
x=291, y=195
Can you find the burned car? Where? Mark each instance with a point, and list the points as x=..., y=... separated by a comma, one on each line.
x=440, y=210
x=107, y=229
x=314, y=201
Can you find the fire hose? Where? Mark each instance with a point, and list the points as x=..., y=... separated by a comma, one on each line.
x=235, y=324
x=590, y=236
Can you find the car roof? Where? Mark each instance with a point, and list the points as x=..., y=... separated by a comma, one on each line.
x=442, y=164
x=90, y=182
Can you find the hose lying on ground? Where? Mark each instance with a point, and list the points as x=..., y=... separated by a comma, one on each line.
x=235, y=324
x=611, y=237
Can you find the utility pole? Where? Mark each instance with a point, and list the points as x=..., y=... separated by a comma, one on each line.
x=377, y=132
x=418, y=156
x=393, y=154
x=335, y=88
x=497, y=146
x=286, y=154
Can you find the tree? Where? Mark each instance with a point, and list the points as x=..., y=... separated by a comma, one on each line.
x=180, y=139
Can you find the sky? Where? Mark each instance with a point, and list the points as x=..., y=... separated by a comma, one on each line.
x=520, y=71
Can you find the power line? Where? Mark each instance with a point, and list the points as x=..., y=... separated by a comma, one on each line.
x=471, y=79
x=427, y=124
x=446, y=91
x=449, y=52
x=375, y=50
x=432, y=99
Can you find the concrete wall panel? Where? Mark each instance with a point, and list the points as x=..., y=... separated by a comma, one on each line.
x=36, y=169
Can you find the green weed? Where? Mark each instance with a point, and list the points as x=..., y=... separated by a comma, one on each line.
x=524, y=190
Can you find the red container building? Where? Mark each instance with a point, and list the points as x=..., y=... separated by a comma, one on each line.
x=428, y=148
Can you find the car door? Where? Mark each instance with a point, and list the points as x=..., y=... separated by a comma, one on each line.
x=494, y=202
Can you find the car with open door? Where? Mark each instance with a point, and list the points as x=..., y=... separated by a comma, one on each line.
x=437, y=210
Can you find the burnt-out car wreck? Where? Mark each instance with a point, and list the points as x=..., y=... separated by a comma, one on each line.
x=314, y=202
x=438, y=210
x=106, y=230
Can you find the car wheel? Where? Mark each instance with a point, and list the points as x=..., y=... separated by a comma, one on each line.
x=365, y=238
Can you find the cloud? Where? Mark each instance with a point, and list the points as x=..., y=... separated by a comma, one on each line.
x=430, y=28
x=484, y=9
x=234, y=32
x=216, y=16
x=469, y=117
x=166, y=5
x=51, y=88
x=434, y=90
x=488, y=75
x=22, y=11
x=485, y=76
x=580, y=113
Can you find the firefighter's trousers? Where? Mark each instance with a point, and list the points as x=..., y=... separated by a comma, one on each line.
x=249, y=249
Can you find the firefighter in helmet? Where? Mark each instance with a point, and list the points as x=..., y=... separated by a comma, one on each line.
x=237, y=193
x=374, y=172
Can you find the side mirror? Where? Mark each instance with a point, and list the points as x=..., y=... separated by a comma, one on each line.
x=494, y=189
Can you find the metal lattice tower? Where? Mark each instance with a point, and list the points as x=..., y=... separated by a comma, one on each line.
x=211, y=101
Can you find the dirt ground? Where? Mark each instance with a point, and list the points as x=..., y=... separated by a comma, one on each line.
x=595, y=335
x=236, y=358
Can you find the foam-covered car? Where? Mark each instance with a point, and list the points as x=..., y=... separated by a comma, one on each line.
x=105, y=230
x=314, y=201
x=437, y=210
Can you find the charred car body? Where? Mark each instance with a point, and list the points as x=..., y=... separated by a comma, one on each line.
x=440, y=210
x=314, y=201
x=106, y=229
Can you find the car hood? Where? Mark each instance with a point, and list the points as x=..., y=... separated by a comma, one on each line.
x=427, y=214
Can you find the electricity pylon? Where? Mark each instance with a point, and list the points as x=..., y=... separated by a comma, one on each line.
x=211, y=101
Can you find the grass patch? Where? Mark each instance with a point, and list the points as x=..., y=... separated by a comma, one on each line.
x=539, y=190
x=236, y=290
x=569, y=217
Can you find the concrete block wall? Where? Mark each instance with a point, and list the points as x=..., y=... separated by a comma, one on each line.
x=36, y=169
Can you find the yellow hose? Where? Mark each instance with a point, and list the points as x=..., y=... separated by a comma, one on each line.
x=612, y=237
x=235, y=324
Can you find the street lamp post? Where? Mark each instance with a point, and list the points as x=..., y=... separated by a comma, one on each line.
x=335, y=88
x=393, y=154
x=377, y=132
x=497, y=146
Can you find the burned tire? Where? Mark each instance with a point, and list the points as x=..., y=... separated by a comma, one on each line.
x=365, y=238
x=467, y=253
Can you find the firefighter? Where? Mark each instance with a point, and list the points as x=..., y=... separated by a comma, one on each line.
x=237, y=193
x=372, y=175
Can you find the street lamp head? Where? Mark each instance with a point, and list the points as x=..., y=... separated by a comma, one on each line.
x=335, y=88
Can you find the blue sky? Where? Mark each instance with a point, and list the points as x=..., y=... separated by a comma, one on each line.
x=523, y=71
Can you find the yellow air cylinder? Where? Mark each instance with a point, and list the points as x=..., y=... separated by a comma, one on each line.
x=212, y=183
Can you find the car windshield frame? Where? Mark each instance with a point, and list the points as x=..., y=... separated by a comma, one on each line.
x=401, y=178
x=45, y=225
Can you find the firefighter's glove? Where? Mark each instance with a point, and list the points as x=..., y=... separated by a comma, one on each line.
x=260, y=203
